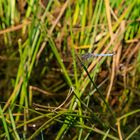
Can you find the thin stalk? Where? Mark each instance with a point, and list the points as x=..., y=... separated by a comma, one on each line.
x=102, y=97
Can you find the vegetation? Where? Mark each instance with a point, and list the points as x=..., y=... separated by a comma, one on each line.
x=48, y=91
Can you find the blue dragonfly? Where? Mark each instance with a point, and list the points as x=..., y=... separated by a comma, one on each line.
x=90, y=55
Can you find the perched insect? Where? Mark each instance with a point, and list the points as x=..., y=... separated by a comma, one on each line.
x=89, y=55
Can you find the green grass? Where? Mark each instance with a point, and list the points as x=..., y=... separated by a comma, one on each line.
x=47, y=91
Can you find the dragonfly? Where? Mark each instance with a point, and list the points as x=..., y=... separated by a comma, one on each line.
x=90, y=55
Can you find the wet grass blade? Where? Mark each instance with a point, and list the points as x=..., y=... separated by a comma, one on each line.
x=16, y=136
x=4, y=124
